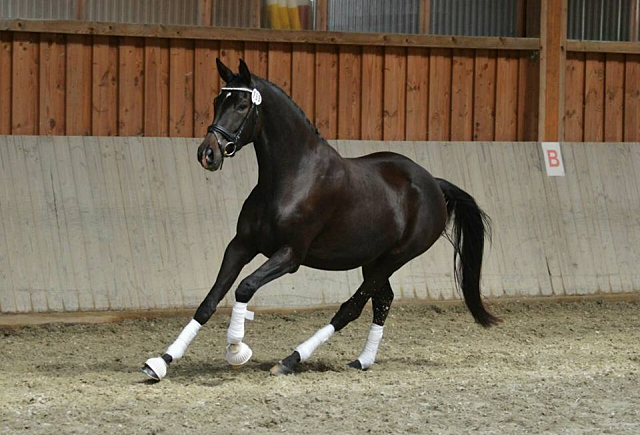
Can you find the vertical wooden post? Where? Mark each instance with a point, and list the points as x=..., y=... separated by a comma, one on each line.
x=81, y=10
x=204, y=12
x=425, y=16
x=635, y=20
x=553, y=38
x=256, y=18
x=322, y=14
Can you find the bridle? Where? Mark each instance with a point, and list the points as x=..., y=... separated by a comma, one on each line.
x=232, y=139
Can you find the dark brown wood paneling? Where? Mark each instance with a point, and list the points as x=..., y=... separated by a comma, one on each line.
x=181, y=88
x=6, y=43
x=53, y=69
x=417, y=93
x=528, y=101
x=79, y=78
x=484, y=100
x=574, y=98
x=372, y=92
x=614, y=98
x=279, y=65
x=327, y=90
x=131, y=87
x=632, y=99
x=156, y=87
x=303, y=75
x=395, y=90
x=506, y=96
x=256, y=57
x=25, y=75
x=462, y=95
x=350, y=90
x=440, y=94
x=104, y=113
x=594, y=97
x=206, y=84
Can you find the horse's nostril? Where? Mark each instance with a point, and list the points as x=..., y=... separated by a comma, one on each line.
x=209, y=152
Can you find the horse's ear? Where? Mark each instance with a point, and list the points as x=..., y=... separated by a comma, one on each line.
x=245, y=74
x=225, y=73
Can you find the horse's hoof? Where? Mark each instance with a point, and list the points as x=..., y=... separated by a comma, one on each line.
x=238, y=354
x=155, y=368
x=280, y=369
x=356, y=365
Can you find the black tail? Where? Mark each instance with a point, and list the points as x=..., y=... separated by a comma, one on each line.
x=470, y=225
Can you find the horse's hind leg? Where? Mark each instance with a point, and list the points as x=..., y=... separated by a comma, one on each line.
x=381, y=301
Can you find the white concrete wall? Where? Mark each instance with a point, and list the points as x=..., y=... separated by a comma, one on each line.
x=93, y=223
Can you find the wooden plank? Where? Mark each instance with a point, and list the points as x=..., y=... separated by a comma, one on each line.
x=204, y=12
x=230, y=54
x=372, y=92
x=528, y=101
x=279, y=66
x=303, y=76
x=322, y=15
x=632, y=99
x=6, y=49
x=594, y=97
x=620, y=47
x=78, y=98
x=395, y=93
x=104, y=116
x=425, y=16
x=131, y=87
x=156, y=87
x=25, y=75
x=52, y=84
x=269, y=35
x=417, y=94
x=507, y=96
x=484, y=100
x=181, y=54
x=614, y=98
x=327, y=100
x=349, y=92
x=574, y=98
x=256, y=56
x=207, y=85
x=440, y=94
x=462, y=74
x=553, y=35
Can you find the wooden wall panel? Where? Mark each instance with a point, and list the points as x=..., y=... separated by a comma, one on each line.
x=507, y=96
x=6, y=43
x=181, y=67
x=104, y=86
x=574, y=98
x=594, y=97
x=614, y=98
x=279, y=65
x=528, y=101
x=462, y=72
x=230, y=54
x=52, y=84
x=632, y=99
x=256, y=56
x=79, y=77
x=206, y=85
x=372, y=92
x=327, y=94
x=417, y=127
x=25, y=77
x=395, y=73
x=440, y=94
x=484, y=108
x=303, y=76
x=131, y=87
x=156, y=87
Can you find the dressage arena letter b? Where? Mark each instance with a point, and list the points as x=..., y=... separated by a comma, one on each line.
x=553, y=159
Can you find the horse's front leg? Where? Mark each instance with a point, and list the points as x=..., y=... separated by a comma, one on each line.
x=236, y=256
x=282, y=262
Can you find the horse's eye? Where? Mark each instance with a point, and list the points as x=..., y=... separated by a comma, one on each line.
x=242, y=107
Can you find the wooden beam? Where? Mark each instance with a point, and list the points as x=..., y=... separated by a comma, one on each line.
x=604, y=47
x=270, y=35
x=425, y=16
x=553, y=36
x=204, y=12
x=322, y=15
x=635, y=21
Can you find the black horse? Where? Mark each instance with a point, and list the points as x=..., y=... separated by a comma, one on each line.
x=315, y=208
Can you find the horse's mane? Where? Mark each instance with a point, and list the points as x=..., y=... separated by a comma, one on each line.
x=277, y=88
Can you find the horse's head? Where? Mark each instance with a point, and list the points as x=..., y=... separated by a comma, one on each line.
x=236, y=121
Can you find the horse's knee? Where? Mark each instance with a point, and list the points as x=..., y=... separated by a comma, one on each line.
x=246, y=290
x=347, y=313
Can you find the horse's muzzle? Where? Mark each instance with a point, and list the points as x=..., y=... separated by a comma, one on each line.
x=209, y=154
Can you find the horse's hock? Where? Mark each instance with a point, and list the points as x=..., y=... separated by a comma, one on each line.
x=94, y=223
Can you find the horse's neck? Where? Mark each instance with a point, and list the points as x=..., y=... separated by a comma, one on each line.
x=288, y=143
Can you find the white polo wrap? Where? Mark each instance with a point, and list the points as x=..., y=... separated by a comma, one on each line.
x=368, y=355
x=308, y=347
x=235, y=333
x=177, y=349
